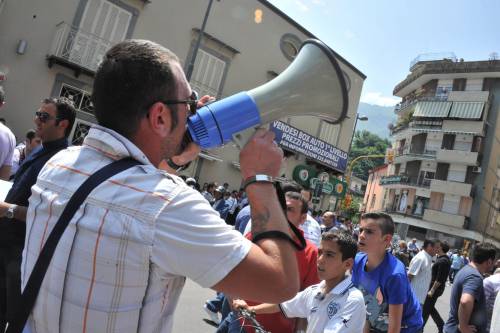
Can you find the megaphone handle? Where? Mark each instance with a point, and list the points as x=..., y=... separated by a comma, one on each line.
x=241, y=138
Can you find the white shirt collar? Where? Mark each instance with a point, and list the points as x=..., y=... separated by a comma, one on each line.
x=113, y=144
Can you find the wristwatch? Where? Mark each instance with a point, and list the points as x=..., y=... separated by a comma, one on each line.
x=10, y=212
x=257, y=179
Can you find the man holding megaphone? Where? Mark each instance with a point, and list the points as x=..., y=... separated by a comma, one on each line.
x=121, y=262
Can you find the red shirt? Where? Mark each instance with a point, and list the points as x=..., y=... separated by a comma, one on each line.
x=308, y=274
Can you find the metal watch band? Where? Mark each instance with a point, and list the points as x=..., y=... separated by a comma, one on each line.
x=258, y=179
x=10, y=212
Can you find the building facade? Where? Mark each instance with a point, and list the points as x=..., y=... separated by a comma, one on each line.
x=375, y=193
x=53, y=48
x=443, y=179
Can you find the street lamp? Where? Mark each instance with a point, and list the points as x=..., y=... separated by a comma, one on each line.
x=190, y=67
x=358, y=117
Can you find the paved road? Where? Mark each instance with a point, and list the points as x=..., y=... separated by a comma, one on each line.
x=189, y=314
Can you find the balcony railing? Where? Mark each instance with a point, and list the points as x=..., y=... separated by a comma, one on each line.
x=404, y=105
x=409, y=150
x=77, y=48
x=405, y=179
x=419, y=124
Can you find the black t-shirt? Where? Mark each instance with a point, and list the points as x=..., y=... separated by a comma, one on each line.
x=468, y=280
x=440, y=272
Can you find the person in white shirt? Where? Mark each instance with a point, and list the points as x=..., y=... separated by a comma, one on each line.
x=7, y=144
x=420, y=270
x=334, y=305
x=122, y=262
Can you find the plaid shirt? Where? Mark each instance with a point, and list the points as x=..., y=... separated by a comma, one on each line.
x=121, y=264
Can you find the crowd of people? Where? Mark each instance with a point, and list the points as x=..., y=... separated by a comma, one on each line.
x=120, y=260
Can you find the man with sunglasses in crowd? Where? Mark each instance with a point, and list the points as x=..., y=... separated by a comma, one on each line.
x=53, y=121
x=122, y=262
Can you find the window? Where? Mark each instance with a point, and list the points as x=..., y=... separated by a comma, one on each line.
x=290, y=46
x=372, y=204
x=207, y=74
x=102, y=25
x=79, y=132
x=80, y=97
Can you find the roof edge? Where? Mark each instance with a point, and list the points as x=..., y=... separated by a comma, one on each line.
x=306, y=32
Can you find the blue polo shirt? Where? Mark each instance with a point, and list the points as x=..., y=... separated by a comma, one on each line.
x=384, y=285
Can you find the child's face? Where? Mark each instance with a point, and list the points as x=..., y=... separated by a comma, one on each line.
x=330, y=263
x=370, y=238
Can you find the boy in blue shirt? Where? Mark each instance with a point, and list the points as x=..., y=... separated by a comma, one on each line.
x=391, y=304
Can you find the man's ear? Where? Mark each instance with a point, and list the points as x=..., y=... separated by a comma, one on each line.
x=160, y=119
x=64, y=123
x=348, y=263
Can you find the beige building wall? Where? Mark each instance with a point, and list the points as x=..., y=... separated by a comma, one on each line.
x=374, y=189
x=251, y=51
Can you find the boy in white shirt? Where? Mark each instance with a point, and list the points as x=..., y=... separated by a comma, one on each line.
x=334, y=305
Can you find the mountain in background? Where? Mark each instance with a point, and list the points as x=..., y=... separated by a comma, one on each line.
x=378, y=118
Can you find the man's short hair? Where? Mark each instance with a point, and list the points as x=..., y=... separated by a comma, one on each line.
x=444, y=246
x=346, y=243
x=483, y=252
x=210, y=185
x=2, y=95
x=65, y=110
x=428, y=242
x=31, y=134
x=298, y=196
x=133, y=75
x=384, y=221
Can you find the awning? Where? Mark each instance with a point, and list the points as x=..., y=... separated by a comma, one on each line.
x=432, y=109
x=209, y=156
x=467, y=110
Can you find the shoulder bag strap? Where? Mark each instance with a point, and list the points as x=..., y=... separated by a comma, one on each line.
x=32, y=288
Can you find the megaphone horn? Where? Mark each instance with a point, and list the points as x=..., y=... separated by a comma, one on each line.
x=313, y=85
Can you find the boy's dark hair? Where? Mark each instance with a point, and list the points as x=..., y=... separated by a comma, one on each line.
x=483, y=252
x=428, y=242
x=31, y=134
x=298, y=196
x=133, y=75
x=346, y=243
x=384, y=221
x=2, y=95
x=65, y=110
x=291, y=187
x=210, y=185
x=444, y=246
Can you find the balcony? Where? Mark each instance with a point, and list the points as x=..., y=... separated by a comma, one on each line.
x=77, y=49
x=406, y=154
x=403, y=107
x=404, y=181
x=457, y=157
x=452, y=220
x=417, y=126
x=451, y=187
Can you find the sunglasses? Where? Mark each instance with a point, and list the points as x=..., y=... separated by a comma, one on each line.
x=44, y=116
x=192, y=102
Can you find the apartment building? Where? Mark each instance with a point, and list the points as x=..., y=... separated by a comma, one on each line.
x=443, y=179
x=53, y=48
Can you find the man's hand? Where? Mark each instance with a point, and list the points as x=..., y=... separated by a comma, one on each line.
x=430, y=294
x=261, y=155
x=239, y=304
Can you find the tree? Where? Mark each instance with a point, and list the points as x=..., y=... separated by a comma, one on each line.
x=367, y=143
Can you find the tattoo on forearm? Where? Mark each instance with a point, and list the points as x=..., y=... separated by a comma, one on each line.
x=260, y=220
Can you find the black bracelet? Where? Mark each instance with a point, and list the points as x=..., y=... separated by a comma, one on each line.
x=174, y=166
x=281, y=235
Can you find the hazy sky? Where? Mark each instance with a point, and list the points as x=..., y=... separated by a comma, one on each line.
x=382, y=37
